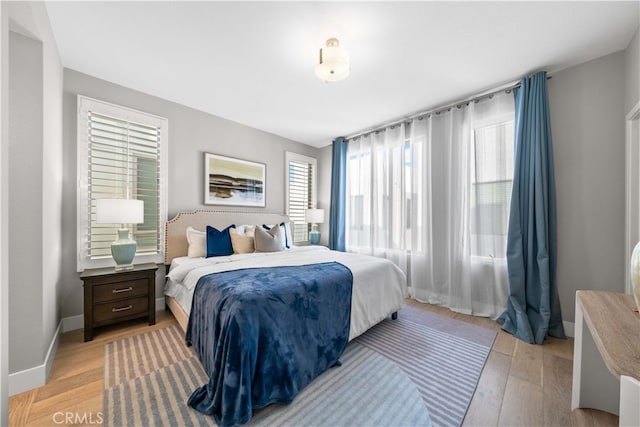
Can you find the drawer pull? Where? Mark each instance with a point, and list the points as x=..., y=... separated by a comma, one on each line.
x=115, y=310
x=117, y=291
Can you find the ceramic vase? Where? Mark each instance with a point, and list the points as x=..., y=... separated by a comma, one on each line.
x=123, y=250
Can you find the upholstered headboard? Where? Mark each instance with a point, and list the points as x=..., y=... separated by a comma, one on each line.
x=175, y=236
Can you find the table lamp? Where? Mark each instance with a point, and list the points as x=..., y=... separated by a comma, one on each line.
x=121, y=211
x=315, y=217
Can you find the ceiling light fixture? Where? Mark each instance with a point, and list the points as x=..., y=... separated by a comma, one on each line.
x=334, y=62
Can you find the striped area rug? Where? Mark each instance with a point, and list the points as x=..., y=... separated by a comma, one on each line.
x=388, y=375
x=442, y=356
x=149, y=377
x=136, y=356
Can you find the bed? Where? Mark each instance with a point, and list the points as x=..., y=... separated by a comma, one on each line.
x=370, y=289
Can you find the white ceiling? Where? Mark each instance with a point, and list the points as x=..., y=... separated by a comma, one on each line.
x=254, y=63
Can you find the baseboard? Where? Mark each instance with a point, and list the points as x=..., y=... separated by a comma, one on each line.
x=51, y=353
x=72, y=323
x=569, y=328
x=37, y=376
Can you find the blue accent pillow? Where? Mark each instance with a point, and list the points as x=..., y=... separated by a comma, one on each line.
x=284, y=231
x=219, y=242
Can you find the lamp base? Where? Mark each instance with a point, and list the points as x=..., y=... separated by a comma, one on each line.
x=123, y=267
x=314, y=237
x=123, y=250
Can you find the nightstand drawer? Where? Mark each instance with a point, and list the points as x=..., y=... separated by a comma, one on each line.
x=104, y=313
x=120, y=290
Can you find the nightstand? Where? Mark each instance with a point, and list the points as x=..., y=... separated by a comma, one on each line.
x=112, y=296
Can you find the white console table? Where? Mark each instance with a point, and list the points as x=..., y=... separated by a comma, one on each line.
x=606, y=356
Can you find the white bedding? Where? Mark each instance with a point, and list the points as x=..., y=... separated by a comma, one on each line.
x=379, y=287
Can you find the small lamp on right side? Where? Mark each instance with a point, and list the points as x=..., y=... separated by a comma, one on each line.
x=315, y=217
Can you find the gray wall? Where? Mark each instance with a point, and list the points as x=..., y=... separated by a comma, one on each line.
x=52, y=173
x=191, y=134
x=587, y=123
x=34, y=186
x=632, y=73
x=25, y=202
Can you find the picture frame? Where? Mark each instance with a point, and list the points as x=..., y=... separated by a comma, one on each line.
x=229, y=181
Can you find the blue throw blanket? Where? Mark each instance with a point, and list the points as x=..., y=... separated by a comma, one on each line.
x=262, y=334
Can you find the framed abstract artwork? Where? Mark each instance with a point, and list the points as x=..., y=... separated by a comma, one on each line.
x=233, y=182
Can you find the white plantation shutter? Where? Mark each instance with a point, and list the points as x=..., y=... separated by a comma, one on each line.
x=301, y=192
x=120, y=155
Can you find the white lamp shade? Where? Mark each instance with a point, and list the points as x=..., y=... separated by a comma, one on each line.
x=119, y=211
x=314, y=216
x=334, y=62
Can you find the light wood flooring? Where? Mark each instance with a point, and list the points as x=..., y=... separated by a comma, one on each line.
x=521, y=384
x=524, y=384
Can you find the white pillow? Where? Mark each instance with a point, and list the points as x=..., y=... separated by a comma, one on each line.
x=242, y=242
x=249, y=230
x=197, y=243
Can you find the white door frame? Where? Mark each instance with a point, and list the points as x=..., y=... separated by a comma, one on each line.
x=632, y=187
x=4, y=217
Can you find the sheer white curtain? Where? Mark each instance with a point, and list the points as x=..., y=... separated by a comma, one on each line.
x=376, y=195
x=432, y=195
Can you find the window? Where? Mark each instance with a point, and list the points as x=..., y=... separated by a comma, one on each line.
x=301, y=192
x=358, y=228
x=379, y=192
x=491, y=182
x=121, y=154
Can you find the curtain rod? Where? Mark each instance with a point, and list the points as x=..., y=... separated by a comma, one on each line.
x=508, y=87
